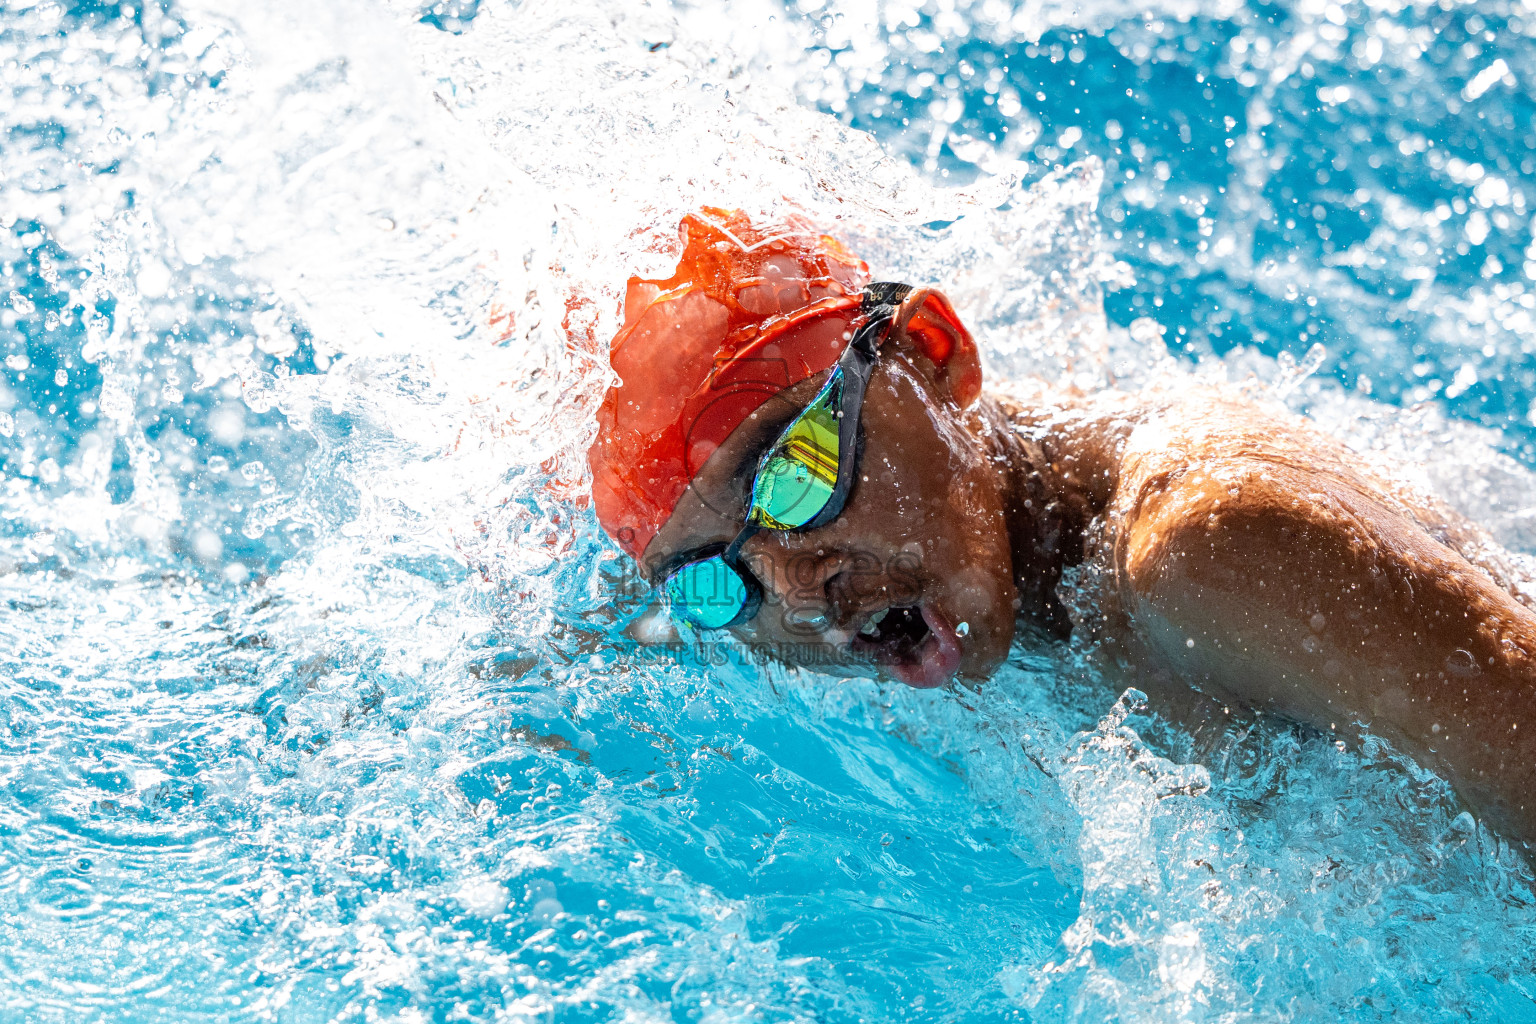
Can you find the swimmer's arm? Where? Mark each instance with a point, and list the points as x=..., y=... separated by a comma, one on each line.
x=1304, y=592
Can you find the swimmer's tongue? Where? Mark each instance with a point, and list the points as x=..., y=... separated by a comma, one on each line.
x=935, y=660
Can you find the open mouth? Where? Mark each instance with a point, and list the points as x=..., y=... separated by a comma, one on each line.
x=916, y=645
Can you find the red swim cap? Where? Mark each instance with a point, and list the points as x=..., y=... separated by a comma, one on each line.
x=749, y=312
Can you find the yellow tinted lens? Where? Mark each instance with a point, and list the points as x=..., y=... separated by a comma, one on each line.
x=796, y=478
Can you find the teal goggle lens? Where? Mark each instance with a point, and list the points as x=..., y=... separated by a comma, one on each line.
x=798, y=475
x=707, y=594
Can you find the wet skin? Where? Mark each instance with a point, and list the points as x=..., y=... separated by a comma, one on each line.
x=1243, y=554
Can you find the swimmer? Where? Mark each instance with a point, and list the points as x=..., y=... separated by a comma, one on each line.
x=808, y=459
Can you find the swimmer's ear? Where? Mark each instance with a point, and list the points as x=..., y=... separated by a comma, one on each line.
x=927, y=322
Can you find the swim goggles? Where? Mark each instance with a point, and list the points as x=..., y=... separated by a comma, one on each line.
x=802, y=480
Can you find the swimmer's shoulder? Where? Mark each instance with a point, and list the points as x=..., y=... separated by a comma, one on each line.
x=1204, y=429
x=1212, y=452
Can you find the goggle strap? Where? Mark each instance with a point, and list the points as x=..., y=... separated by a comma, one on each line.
x=882, y=294
x=866, y=340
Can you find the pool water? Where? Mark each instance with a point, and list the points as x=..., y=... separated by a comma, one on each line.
x=317, y=701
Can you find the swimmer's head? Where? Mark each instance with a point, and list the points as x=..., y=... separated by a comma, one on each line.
x=913, y=577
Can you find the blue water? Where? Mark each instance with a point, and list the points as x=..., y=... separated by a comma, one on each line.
x=316, y=699
x=1326, y=141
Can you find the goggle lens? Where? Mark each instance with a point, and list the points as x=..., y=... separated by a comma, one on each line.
x=708, y=594
x=795, y=480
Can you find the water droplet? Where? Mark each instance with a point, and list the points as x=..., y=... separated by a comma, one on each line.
x=964, y=629
x=812, y=617
x=1293, y=373
x=484, y=899
x=114, y=402
x=1130, y=701
x=1461, y=663
x=153, y=279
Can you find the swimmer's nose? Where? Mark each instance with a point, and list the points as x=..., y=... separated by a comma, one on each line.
x=796, y=585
